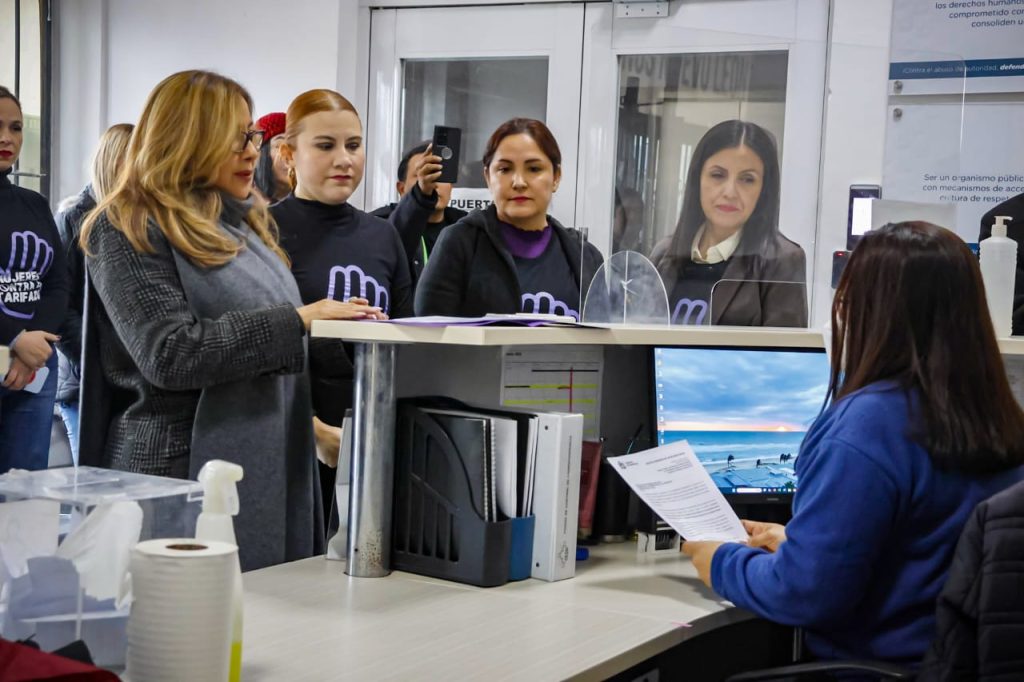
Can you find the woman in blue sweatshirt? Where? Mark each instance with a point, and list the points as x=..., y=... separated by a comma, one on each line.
x=33, y=299
x=921, y=427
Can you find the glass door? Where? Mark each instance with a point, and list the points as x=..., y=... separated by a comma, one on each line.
x=654, y=87
x=454, y=67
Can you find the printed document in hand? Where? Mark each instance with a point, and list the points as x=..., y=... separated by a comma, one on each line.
x=671, y=480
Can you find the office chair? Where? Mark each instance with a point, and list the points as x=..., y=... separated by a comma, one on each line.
x=823, y=670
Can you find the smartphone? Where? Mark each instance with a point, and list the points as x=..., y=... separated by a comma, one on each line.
x=38, y=379
x=446, y=144
x=858, y=220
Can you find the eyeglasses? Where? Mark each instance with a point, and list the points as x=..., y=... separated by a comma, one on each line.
x=254, y=136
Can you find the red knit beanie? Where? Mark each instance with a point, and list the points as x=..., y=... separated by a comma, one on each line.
x=272, y=125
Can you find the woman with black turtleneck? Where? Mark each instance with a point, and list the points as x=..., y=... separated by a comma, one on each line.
x=196, y=334
x=336, y=250
x=33, y=299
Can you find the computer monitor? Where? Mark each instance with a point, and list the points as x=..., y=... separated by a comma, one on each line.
x=744, y=411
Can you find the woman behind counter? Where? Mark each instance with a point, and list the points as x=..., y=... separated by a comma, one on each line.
x=727, y=262
x=511, y=256
x=196, y=334
x=922, y=426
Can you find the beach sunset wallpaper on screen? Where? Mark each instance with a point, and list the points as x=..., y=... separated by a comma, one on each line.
x=744, y=412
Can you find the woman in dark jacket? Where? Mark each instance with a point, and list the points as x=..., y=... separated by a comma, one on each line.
x=105, y=166
x=727, y=262
x=512, y=256
x=33, y=300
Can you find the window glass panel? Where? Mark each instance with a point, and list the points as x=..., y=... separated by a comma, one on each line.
x=7, y=43
x=21, y=66
x=476, y=95
x=668, y=103
x=30, y=94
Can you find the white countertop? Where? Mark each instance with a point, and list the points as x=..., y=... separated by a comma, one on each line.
x=618, y=336
x=766, y=337
x=309, y=621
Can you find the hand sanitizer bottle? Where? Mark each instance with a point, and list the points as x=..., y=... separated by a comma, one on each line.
x=215, y=524
x=999, y=272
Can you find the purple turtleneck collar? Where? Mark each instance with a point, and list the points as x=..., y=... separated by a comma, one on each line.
x=524, y=243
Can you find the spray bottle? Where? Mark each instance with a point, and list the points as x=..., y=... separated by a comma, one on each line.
x=220, y=504
x=999, y=271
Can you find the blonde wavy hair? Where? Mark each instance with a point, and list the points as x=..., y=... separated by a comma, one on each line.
x=187, y=131
x=109, y=158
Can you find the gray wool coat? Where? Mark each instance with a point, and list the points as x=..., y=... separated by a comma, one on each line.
x=184, y=364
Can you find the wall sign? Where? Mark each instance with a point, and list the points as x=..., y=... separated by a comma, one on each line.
x=956, y=46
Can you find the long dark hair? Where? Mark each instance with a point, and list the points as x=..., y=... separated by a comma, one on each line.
x=911, y=308
x=763, y=225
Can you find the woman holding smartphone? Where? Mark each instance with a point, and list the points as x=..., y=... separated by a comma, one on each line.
x=33, y=301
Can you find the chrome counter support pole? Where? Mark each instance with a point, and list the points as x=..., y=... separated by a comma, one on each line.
x=373, y=462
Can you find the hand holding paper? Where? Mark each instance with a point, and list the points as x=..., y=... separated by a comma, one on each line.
x=672, y=482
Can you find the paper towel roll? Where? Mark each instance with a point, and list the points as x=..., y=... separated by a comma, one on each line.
x=180, y=622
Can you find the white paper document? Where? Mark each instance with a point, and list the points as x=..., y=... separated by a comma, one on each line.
x=671, y=480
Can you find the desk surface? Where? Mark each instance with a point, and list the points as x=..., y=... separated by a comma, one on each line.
x=617, y=336
x=766, y=337
x=309, y=621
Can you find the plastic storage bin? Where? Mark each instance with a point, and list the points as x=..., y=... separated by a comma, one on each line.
x=437, y=530
x=65, y=538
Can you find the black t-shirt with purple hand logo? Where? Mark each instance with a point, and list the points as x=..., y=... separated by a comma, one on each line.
x=545, y=279
x=33, y=274
x=340, y=252
x=547, y=283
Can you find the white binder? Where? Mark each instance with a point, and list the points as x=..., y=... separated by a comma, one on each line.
x=556, y=495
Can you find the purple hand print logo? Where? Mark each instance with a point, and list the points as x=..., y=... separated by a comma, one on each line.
x=353, y=279
x=30, y=259
x=687, y=309
x=543, y=303
x=30, y=252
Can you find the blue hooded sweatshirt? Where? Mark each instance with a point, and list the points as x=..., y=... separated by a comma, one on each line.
x=872, y=536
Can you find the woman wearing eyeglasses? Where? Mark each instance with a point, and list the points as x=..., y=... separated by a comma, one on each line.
x=196, y=336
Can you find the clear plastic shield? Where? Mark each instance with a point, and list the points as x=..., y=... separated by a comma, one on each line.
x=627, y=290
x=755, y=303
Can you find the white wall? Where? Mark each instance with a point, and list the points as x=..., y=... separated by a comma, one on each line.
x=112, y=52
x=854, y=140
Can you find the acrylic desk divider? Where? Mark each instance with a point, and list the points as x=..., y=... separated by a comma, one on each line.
x=440, y=526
